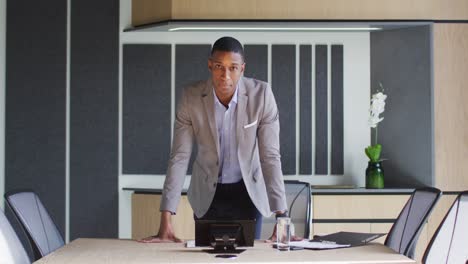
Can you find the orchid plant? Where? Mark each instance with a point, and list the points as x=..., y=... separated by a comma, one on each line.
x=377, y=107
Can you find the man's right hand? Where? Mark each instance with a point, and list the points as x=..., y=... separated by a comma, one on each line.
x=166, y=232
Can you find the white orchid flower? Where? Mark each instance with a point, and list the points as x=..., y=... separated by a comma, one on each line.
x=377, y=107
x=379, y=96
x=374, y=120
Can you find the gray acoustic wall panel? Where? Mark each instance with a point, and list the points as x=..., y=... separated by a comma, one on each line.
x=35, y=111
x=191, y=65
x=146, y=108
x=401, y=61
x=256, y=59
x=305, y=146
x=321, y=109
x=94, y=142
x=337, y=110
x=284, y=88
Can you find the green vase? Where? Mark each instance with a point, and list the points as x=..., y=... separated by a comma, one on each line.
x=374, y=175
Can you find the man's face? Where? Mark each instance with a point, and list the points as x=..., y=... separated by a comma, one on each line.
x=226, y=68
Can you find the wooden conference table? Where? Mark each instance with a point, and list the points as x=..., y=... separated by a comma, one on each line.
x=127, y=251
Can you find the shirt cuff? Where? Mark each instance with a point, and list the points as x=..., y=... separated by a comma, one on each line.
x=284, y=214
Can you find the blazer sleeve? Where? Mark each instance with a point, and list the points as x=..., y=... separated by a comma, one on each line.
x=269, y=152
x=179, y=158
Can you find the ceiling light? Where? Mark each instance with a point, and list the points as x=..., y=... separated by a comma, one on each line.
x=198, y=28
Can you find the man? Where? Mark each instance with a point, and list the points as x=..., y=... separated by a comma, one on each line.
x=234, y=121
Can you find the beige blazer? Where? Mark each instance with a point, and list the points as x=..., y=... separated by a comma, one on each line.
x=257, y=132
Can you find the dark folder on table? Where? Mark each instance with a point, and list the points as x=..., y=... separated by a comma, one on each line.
x=348, y=238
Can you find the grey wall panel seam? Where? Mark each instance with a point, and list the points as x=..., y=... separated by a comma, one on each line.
x=146, y=108
x=191, y=64
x=283, y=86
x=306, y=109
x=321, y=110
x=401, y=61
x=35, y=109
x=256, y=60
x=94, y=118
x=337, y=132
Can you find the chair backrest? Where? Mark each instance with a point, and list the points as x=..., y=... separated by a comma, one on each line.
x=298, y=198
x=34, y=218
x=404, y=233
x=450, y=242
x=11, y=249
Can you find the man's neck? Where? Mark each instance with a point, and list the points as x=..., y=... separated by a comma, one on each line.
x=225, y=101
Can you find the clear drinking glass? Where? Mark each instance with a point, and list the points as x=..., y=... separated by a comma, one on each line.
x=283, y=233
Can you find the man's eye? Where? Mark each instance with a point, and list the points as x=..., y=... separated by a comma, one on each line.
x=218, y=66
x=234, y=68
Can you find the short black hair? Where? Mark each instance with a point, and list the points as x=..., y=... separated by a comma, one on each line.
x=229, y=44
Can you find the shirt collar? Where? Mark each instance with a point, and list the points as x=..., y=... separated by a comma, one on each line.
x=233, y=99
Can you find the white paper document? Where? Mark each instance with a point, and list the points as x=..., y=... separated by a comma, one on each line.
x=317, y=245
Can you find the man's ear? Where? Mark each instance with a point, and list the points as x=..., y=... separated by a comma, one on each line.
x=209, y=65
x=243, y=68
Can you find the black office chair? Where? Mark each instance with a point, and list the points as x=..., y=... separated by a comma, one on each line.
x=298, y=198
x=450, y=242
x=404, y=233
x=11, y=249
x=36, y=221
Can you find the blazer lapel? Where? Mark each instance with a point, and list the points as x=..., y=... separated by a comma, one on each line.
x=242, y=100
x=208, y=102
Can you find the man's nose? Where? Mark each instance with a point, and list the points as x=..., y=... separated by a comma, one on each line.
x=226, y=74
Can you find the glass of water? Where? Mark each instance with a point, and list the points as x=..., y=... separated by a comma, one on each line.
x=283, y=233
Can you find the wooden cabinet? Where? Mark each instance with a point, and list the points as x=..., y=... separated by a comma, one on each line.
x=150, y=11
x=330, y=213
x=363, y=213
x=356, y=213
x=371, y=206
x=450, y=108
x=146, y=217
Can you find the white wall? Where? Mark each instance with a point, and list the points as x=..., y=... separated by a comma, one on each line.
x=2, y=98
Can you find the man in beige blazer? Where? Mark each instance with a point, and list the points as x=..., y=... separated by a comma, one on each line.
x=227, y=114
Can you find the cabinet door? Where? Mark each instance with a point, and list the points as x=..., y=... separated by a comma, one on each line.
x=358, y=206
x=450, y=107
x=146, y=217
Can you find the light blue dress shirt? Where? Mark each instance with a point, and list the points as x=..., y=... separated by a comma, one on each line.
x=229, y=169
